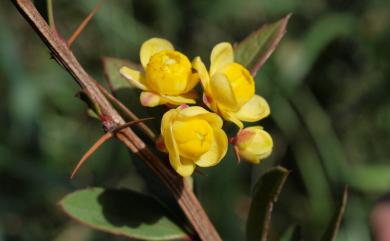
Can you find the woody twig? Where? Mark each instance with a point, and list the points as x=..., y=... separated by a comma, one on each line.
x=64, y=56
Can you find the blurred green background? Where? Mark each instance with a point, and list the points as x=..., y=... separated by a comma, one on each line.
x=327, y=84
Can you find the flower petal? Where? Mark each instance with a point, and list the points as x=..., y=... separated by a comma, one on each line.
x=217, y=150
x=260, y=146
x=231, y=116
x=150, y=99
x=213, y=119
x=167, y=119
x=222, y=92
x=192, y=111
x=199, y=66
x=209, y=102
x=192, y=82
x=186, y=167
x=255, y=109
x=134, y=76
x=221, y=55
x=187, y=98
x=151, y=47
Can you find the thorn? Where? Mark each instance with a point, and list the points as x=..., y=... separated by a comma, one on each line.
x=128, y=124
x=237, y=154
x=91, y=150
x=84, y=23
x=101, y=141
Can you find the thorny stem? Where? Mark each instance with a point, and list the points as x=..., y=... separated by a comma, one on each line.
x=149, y=133
x=152, y=136
x=180, y=189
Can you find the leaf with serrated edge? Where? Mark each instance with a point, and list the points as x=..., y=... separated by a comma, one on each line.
x=255, y=49
x=334, y=225
x=111, y=68
x=266, y=193
x=122, y=212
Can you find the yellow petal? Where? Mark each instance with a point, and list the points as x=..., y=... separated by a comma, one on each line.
x=192, y=82
x=171, y=145
x=230, y=116
x=186, y=167
x=244, y=137
x=221, y=55
x=217, y=150
x=212, y=118
x=259, y=147
x=199, y=66
x=167, y=120
x=193, y=136
x=150, y=99
x=187, y=98
x=134, y=76
x=168, y=73
x=241, y=82
x=183, y=166
x=151, y=47
x=209, y=102
x=222, y=92
x=192, y=111
x=255, y=109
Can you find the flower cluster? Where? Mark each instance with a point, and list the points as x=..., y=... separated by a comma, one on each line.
x=192, y=135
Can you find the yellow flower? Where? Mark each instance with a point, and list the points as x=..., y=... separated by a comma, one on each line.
x=253, y=144
x=229, y=88
x=167, y=76
x=193, y=137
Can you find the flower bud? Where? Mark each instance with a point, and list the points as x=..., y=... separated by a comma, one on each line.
x=253, y=144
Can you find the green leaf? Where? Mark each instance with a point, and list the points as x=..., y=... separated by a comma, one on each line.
x=266, y=192
x=334, y=225
x=369, y=178
x=122, y=212
x=111, y=68
x=254, y=50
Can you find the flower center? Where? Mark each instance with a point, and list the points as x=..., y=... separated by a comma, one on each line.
x=168, y=72
x=193, y=137
x=241, y=81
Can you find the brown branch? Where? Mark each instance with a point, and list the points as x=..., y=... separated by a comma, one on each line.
x=61, y=52
x=128, y=112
